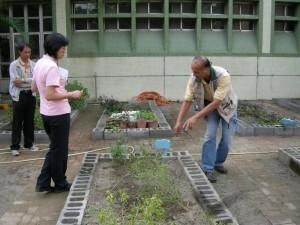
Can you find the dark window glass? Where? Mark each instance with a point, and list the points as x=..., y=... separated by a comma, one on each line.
x=142, y=7
x=111, y=8
x=33, y=25
x=218, y=24
x=206, y=24
x=47, y=10
x=236, y=9
x=80, y=24
x=19, y=25
x=236, y=25
x=206, y=8
x=92, y=8
x=175, y=7
x=80, y=8
x=188, y=23
x=124, y=7
x=142, y=23
x=34, y=44
x=18, y=39
x=33, y=10
x=124, y=23
x=175, y=23
x=156, y=7
x=279, y=10
x=4, y=28
x=291, y=10
x=218, y=8
x=111, y=24
x=93, y=24
x=188, y=7
x=4, y=49
x=156, y=23
x=279, y=25
x=47, y=23
x=18, y=11
x=248, y=9
x=247, y=25
x=290, y=26
x=5, y=70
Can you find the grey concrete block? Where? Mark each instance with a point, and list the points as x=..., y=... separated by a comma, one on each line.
x=160, y=132
x=283, y=131
x=111, y=135
x=263, y=130
x=138, y=133
x=244, y=129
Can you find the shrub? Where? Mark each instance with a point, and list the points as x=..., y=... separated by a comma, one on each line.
x=110, y=104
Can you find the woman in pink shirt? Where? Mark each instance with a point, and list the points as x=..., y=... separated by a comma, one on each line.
x=55, y=111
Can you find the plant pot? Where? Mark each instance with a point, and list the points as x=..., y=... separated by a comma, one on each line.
x=123, y=124
x=132, y=124
x=141, y=124
x=152, y=123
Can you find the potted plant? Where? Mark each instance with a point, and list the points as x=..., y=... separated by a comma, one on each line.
x=141, y=122
x=150, y=118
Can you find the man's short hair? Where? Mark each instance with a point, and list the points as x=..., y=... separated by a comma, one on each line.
x=54, y=42
x=203, y=60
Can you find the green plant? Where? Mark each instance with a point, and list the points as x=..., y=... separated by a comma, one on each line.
x=118, y=151
x=110, y=104
x=77, y=104
x=106, y=217
x=146, y=115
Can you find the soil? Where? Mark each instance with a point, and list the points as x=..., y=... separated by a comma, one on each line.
x=108, y=176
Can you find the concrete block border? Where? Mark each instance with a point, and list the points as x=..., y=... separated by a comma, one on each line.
x=246, y=129
x=164, y=129
x=206, y=195
x=288, y=104
x=40, y=135
x=290, y=157
x=76, y=202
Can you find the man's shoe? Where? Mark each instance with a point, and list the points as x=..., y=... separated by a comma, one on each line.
x=33, y=148
x=221, y=169
x=44, y=189
x=15, y=152
x=63, y=189
x=211, y=177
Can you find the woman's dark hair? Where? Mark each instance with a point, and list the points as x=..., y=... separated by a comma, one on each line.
x=23, y=45
x=53, y=43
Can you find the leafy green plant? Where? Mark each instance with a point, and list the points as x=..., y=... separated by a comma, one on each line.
x=146, y=115
x=106, y=216
x=77, y=104
x=118, y=151
x=110, y=104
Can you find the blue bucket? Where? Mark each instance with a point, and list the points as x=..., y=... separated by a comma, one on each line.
x=162, y=145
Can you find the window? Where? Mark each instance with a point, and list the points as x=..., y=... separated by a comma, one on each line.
x=85, y=9
x=117, y=24
x=117, y=7
x=182, y=7
x=213, y=7
x=288, y=26
x=285, y=9
x=149, y=7
x=32, y=20
x=149, y=23
x=182, y=24
x=244, y=8
x=213, y=24
x=244, y=25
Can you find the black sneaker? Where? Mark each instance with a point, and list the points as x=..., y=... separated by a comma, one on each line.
x=221, y=169
x=63, y=189
x=44, y=189
x=211, y=177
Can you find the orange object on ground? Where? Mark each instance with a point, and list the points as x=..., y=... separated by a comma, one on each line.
x=152, y=95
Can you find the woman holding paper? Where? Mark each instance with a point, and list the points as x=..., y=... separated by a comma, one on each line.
x=49, y=81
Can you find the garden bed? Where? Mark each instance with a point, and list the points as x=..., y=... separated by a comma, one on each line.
x=142, y=188
x=254, y=120
x=291, y=104
x=111, y=124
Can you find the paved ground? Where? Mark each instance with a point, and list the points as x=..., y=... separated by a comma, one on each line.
x=259, y=190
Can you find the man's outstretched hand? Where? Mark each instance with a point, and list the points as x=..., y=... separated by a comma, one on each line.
x=178, y=128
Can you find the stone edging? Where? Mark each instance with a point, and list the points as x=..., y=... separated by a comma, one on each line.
x=164, y=129
x=291, y=158
x=246, y=129
x=39, y=135
x=75, y=205
x=287, y=103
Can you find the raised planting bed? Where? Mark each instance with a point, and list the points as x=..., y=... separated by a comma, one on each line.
x=39, y=135
x=291, y=157
x=135, y=120
x=292, y=104
x=142, y=188
x=254, y=120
